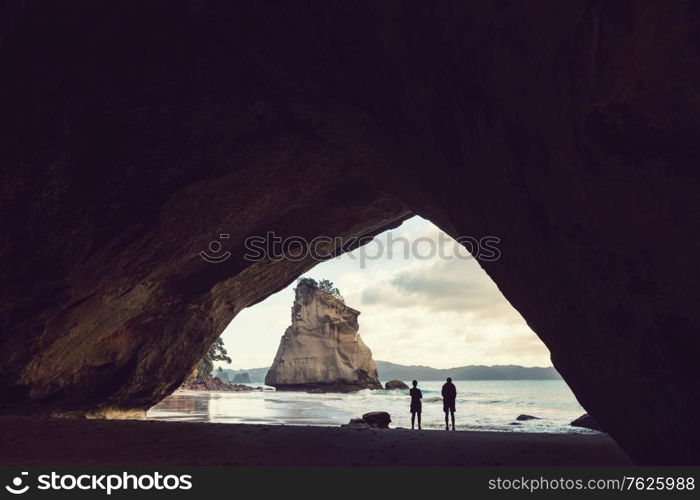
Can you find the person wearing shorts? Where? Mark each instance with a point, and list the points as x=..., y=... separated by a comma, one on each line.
x=449, y=396
x=416, y=405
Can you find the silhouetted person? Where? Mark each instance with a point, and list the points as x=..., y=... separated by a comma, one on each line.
x=416, y=405
x=449, y=396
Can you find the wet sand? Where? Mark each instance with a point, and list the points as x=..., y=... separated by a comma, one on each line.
x=43, y=441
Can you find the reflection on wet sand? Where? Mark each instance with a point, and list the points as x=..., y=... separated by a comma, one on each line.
x=183, y=406
x=250, y=407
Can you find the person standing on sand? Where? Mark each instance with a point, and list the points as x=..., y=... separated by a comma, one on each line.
x=449, y=396
x=416, y=405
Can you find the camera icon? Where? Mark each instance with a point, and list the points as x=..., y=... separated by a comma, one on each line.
x=16, y=488
x=214, y=254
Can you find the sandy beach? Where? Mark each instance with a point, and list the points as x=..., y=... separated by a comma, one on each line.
x=44, y=441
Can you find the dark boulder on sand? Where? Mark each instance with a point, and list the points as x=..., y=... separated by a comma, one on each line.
x=377, y=419
x=526, y=417
x=588, y=422
x=395, y=384
x=357, y=423
x=374, y=419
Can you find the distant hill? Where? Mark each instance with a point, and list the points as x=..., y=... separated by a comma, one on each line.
x=391, y=371
x=257, y=375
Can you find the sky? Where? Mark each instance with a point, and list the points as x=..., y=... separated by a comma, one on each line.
x=425, y=302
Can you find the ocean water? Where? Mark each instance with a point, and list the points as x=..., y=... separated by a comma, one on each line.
x=490, y=405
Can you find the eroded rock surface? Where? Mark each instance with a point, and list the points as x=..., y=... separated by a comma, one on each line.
x=587, y=421
x=215, y=384
x=377, y=419
x=133, y=134
x=395, y=385
x=526, y=417
x=322, y=350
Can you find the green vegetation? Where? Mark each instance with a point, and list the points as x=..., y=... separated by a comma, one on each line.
x=325, y=285
x=217, y=352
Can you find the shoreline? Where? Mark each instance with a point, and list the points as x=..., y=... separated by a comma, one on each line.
x=485, y=412
x=57, y=442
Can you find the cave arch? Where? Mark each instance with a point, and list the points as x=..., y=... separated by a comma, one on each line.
x=563, y=130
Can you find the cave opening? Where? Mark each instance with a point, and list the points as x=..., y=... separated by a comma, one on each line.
x=427, y=311
x=568, y=133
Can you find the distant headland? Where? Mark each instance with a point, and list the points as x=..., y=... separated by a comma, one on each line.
x=390, y=371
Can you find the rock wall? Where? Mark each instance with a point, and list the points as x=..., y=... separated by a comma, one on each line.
x=134, y=134
x=321, y=349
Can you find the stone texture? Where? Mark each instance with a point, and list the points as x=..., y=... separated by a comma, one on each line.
x=134, y=134
x=587, y=421
x=377, y=419
x=322, y=350
x=215, y=384
x=395, y=384
x=523, y=417
x=357, y=423
x=371, y=420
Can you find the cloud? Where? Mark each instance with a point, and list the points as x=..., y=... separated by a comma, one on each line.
x=441, y=312
x=455, y=285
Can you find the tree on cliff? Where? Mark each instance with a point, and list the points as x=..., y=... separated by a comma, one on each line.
x=216, y=352
x=325, y=285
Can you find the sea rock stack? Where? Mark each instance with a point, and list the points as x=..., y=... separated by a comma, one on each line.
x=241, y=378
x=321, y=349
